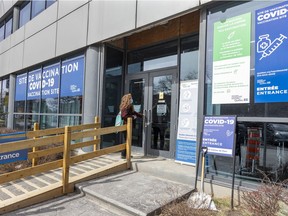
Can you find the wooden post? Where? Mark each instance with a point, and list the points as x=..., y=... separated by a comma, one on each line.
x=34, y=159
x=97, y=120
x=129, y=142
x=66, y=159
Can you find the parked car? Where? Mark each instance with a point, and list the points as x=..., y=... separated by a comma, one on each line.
x=277, y=134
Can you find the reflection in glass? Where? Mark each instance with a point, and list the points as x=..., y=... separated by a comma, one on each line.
x=24, y=14
x=48, y=121
x=159, y=56
x=189, y=58
x=19, y=106
x=49, y=2
x=4, y=101
x=41, y=88
x=242, y=110
x=69, y=120
x=49, y=105
x=112, y=93
x=2, y=31
x=19, y=122
x=136, y=88
x=162, y=62
x=71, y=104
x=30, y=120
x=260, y=148
x=8, y=27
x=260, y=145
x=33, y=106
x=37, y=7
x=110, y=139
x=161, y=110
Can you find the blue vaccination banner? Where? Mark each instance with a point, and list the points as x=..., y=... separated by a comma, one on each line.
x=271, y=45
x=50, y=81
x=186, y=151
x=21, y=85
x=218, y=135
x=34, y=84
x=72, y=74
x=9, y=157
x=186, y=144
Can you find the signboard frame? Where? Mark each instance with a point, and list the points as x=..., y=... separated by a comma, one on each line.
x=234, y=117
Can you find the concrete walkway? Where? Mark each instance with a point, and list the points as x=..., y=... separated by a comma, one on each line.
x=152, y=183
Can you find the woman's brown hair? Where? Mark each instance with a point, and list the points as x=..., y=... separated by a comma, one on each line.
x=126, y=102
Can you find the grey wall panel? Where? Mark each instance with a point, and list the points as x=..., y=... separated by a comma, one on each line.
x=17, y=37
x=205, y=1
x=110, y=18
x=72, y=31
x=151, y=11
x=16, y=54
x=40, y=47
x=44, y=19
x=5, y=6
x=4, y=63
x=67, y=6
x=5, y=45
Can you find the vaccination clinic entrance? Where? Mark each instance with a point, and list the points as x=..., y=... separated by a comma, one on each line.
x=154, y=95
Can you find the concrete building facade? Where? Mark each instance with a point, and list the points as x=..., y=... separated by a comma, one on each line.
x=65, y=62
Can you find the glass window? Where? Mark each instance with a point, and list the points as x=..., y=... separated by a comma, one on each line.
x=72, y=78
x=34, y=91
x=2, y=107
x=24, y=14
x=37, y=7
x=260, y=146
x=71, y=104
x=113, y=81
x=112, y=91
x=50, y=88
x=48, y=121
x=19, y=122
x=38, y=95
x=4, y=102
x=8, y=27
x=49, y=2
x=2, y=31
x=69, y=120
x=30, y=120
x=20, y=93
x=244, y=109
x=189, y=58
x=160, y=56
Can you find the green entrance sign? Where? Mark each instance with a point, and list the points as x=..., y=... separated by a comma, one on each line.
x=231, y=60
x=232, y=38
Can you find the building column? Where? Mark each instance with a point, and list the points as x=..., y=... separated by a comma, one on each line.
x=16, y=13
x=92, y=87
x=10, y=119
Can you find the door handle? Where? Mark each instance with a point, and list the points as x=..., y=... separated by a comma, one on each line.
x=145, y=119
x=149, y=117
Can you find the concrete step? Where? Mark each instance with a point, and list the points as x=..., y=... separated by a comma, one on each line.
x=165, y=168
x=135, y=193
x=151, y=184
x=73, y=204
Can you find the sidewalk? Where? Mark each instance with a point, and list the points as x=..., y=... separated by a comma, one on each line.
x=152, y=183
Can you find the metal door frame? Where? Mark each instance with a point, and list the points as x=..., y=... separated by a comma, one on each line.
x=147, y=103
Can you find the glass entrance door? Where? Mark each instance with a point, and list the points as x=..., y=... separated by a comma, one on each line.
x=154, y=95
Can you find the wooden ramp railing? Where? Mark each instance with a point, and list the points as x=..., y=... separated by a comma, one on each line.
x=63, y=173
